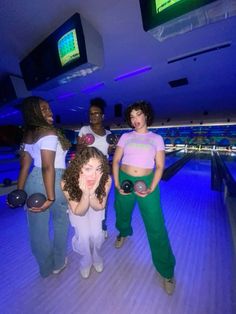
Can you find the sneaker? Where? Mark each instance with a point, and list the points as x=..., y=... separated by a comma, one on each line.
x=119, y=241
x=57, y=271
x=169, y=285
x=85, y=272
x=98, y=267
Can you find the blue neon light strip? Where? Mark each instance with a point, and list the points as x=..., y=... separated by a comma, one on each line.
x=133, y=73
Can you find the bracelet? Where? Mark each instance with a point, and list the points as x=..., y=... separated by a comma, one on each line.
x=51, y=200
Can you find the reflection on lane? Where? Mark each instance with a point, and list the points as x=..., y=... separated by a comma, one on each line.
x=230, y=161
x=172, y=158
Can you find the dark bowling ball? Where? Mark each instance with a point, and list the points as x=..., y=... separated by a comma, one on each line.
x=140, y=186
x=127, y=186
x=36, y=200
x=89, y=139
x=111, y=139
x=7, y=182
x=17, y=198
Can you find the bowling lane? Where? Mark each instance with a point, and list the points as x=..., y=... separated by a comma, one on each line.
x=200, y=235
x=230, y=161
x=172, y=158
x=9, y=169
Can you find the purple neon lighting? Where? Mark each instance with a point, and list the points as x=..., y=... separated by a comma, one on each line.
x=91, y=88
x=66, y=96
x=135, y=72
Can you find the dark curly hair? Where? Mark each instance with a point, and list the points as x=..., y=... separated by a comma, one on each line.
x=142, y=105
x=35, y=125
x=72, y=173
x=99, y=103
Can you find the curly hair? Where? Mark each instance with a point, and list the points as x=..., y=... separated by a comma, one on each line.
x=72, y=173
x=99, y=103
x=35, y=125
x=142, y=105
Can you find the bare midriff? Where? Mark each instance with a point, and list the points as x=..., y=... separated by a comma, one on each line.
x=135, y=171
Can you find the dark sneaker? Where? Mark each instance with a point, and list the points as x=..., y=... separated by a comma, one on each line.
x=57, y=271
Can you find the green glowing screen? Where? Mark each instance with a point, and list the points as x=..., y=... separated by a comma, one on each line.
x=68, y=47
x=164, y=4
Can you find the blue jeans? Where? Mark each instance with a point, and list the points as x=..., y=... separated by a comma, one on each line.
x=49, y=248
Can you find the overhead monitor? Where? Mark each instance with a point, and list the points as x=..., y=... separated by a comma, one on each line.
x=74, y=49
x=157, y=12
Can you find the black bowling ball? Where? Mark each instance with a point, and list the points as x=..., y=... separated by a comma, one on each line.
x=16, y=198
x=127, y=186
x=7, y=182
x=36, y=200
x=111, y=139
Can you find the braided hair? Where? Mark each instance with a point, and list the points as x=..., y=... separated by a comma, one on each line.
x=35, y=125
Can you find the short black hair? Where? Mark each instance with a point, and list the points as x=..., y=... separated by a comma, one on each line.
x=142, y=105
x=99, y=103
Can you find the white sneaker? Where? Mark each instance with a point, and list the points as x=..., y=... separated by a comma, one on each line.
x=57, y=271
x=98, y=267
x=85, y=272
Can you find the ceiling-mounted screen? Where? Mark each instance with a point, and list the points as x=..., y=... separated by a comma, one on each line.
x=157, y=12
x=71, y=50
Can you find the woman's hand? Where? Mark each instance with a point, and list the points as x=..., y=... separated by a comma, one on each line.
x=96, y=184
x=81, y=140
x=121, y=191
x=41, y=209
x=83, y=185
x=144, y=193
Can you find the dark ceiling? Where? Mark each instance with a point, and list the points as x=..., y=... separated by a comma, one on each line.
x=209, y=96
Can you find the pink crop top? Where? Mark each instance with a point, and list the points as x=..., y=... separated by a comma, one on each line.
x=140, y=149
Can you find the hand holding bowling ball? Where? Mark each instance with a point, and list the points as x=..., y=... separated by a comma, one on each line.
x=140, y=186
x=36, y=201
x=86, y=139
x=16, y=198
x=127, y=186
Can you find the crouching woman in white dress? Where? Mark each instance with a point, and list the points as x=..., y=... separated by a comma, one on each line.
x=86, y=184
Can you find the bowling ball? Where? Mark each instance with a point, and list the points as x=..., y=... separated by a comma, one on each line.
x=127, y=186
x=16, y=198
x=7, y=182
x=89, y=139
x=36, y=200
x=140, y=186
x=111, y=139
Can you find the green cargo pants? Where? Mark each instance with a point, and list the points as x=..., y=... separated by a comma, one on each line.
x=150, y=208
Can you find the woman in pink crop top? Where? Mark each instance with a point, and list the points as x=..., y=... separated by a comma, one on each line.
x=140, y=155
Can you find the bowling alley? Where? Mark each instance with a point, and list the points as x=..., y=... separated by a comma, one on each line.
x=118, y=157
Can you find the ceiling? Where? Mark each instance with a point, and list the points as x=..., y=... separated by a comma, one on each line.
x=209, y=96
